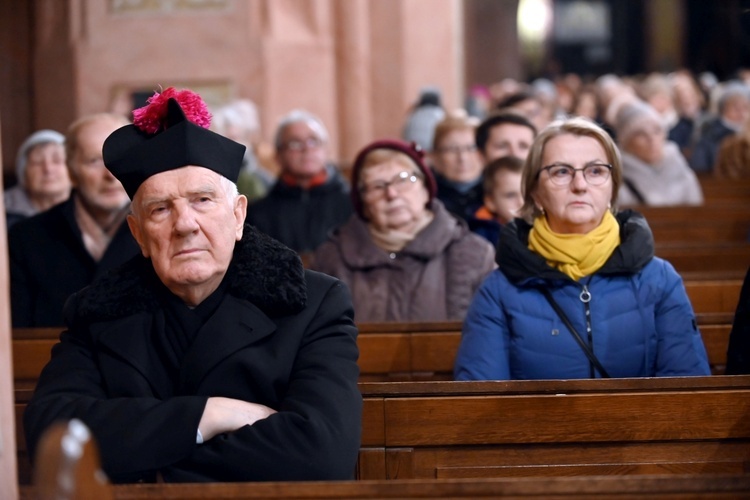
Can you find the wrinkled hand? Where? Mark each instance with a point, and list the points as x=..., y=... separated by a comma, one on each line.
x=227, y=415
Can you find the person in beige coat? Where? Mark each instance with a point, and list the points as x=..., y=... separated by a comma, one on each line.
x=402, y=254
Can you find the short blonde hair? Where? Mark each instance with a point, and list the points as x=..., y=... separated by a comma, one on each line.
x=451, y=123
x=578, y=126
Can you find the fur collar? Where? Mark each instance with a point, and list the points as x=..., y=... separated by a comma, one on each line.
x=262, y=271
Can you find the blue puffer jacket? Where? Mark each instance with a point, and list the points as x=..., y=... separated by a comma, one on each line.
x=642, y=323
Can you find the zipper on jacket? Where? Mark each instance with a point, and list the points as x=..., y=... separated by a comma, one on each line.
x=585, y=297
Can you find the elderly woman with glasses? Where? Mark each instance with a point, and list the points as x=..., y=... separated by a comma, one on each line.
x=403, y=256
x=578, y=292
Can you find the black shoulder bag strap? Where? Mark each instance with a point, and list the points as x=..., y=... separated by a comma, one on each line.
x=586, y=348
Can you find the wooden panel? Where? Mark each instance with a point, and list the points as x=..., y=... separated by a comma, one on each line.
x=398, y=463
x=523, y=460
x=384, y=353
x=423, y=421
x=373, y=422
x=371, y=463
x=714, y=296
x=713, y=231
x=621, y=487
x=30, y=356
x=722, y=257
x=711, y=211
x=435, y=352
x=612, y=469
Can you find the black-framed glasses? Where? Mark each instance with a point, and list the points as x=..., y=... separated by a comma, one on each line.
x=400, y=182
x=595, y=174
x=300, y=144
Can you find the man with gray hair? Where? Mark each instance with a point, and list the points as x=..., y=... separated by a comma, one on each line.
x=310, y=197
x=734, y=111
x=214, y=356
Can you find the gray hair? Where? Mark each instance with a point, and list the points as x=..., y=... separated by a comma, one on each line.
x=731, y=90
x=300, y=116
x=38, y=138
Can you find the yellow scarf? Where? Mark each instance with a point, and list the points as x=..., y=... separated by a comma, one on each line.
x=576, y=255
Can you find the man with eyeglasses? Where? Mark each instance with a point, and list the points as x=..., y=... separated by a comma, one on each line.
x=310, y=197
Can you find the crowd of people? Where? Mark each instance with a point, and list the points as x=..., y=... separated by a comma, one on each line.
x=512, y=215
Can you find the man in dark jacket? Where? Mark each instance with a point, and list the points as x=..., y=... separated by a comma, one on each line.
x=58, y=252
x=215, y=356
x=734, y=111
x=310, y=197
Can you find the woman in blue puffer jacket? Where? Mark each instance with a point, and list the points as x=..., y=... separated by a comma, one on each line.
x=578, y=292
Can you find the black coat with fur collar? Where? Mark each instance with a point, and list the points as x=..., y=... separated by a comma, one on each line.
x=282, y=336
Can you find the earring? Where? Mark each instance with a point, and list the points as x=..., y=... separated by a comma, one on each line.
x=541, y=210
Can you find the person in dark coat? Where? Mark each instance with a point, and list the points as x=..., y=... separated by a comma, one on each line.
x=56, y=253
x=310, y=197
x=738, y=351
x=734, y=111
x=214, y=356
x=457, y=165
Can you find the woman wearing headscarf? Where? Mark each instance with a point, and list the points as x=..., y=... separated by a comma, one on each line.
x=653, y=168
x=578, y=292
x=42, y=176
x=404, y=257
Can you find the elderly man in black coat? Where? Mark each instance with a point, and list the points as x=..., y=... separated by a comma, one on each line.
x=215, y=356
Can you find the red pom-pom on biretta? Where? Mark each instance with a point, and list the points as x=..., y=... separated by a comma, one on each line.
x=152, y=118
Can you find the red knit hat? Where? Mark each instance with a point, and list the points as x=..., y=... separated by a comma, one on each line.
x=168, y=133
x=412, y=150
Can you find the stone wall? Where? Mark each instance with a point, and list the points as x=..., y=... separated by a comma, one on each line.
x=358, y=64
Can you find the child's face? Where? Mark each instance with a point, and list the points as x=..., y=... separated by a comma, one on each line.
x=505, y=200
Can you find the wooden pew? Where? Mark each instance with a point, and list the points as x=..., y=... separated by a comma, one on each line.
x=388, y=351
x=419, y=351
x=710, y=211
x=461, y=430
x=555, y=428
x=712, y=231
x=723, y=190
x=399, y=352
x=706, y=256
x=665, y=487
x=714, y=295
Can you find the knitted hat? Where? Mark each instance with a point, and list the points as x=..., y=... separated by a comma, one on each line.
x=634, y=116
x=169, y=133
x=44, y=136
x=412, y=150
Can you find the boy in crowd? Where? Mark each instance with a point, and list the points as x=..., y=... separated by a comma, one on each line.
x=501, y=182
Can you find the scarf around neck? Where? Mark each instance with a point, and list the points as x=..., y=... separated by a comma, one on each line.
x=576, y=255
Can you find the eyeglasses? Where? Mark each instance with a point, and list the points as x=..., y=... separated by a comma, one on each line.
x=595, y=174
x=400, y=182
x=299, y=145
x=457, y=150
